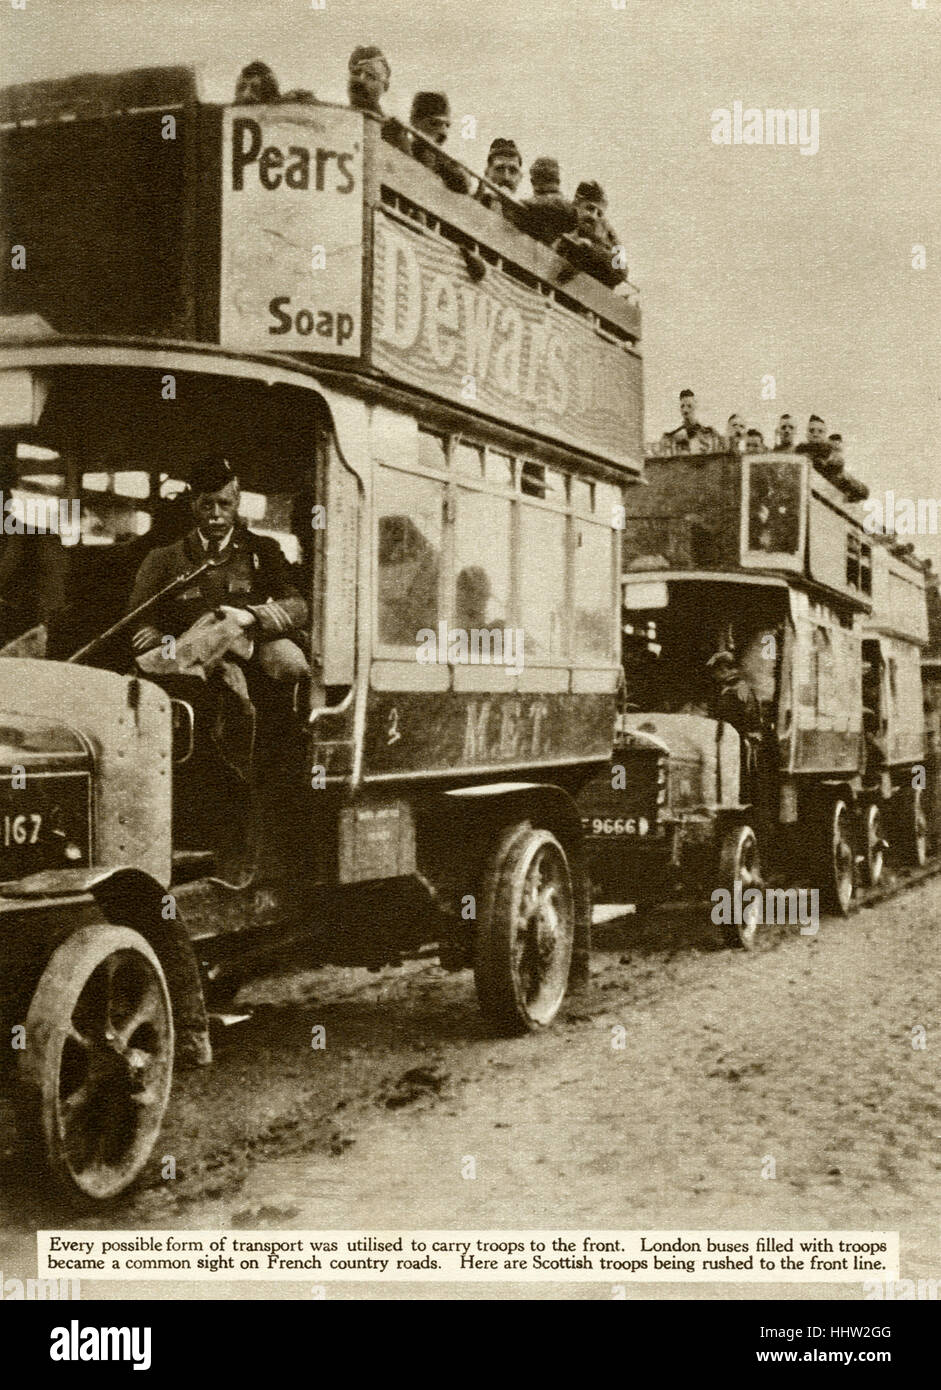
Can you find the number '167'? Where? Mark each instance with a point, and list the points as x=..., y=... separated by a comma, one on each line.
x=21, y=830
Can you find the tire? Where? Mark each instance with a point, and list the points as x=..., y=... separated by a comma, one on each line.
x=739, y=861
x=526, y=931
x=837, y=858
x=913, y=834
x=98, y=1065
x=874, y=845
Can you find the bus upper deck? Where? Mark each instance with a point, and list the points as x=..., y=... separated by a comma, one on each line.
x=774, y=515
x=297, y=229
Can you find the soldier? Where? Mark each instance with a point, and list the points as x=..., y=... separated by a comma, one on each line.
x=735, y=434
x=505, y=169
x=734, y=699
x=815, y=445
x=248, y=592
x=547, y=214
x=690, y=437
x=754, y=442
x=431, y=117
x=256, y=85
x=368, y=82
x=787, y=431
x=593, y=247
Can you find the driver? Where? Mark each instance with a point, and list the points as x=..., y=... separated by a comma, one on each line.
x=735, y=699
x=243, y=612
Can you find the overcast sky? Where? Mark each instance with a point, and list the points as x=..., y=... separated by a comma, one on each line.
x=751, y=260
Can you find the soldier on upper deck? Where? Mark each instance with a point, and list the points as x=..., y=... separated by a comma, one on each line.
x=369, y=77
x=735, y=433
x=815, y=445
x=593, y=246
x=690, y=437
x=787, y=431
x=431, y=116
x=505, y=169
x=547, y=214
x=256, y=85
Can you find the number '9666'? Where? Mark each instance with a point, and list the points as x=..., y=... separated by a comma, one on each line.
x=619, y=825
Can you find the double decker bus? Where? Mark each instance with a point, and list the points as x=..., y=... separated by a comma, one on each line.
x=437, y=422
x=774, y=645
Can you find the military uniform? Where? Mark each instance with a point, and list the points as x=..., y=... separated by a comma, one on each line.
x=547, y=214
x=500, y=149
x=430, y=106
x=695, y=439
x=591, y=247
x=249, y=573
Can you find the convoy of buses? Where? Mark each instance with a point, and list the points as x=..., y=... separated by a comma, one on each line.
x=429, y=448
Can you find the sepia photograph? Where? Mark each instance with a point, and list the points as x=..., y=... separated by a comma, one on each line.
x=470, y=696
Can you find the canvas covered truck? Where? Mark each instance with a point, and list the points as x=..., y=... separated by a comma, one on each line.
x=438, y=453
x=773, y=646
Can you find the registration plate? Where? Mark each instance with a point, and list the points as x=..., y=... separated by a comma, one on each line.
x=44, y=824
x=605, y=826
x=23, y=829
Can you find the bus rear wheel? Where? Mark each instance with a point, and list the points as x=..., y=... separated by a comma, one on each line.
x=874, y=845
x=526, y=931
x=837, y=856
x=98, y=1065
x=914, y=828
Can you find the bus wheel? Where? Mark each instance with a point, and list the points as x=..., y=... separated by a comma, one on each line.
x=526, y=931
x=739, y=863
x=98, y=1062
x=873, y=858
x=838, y=858
x=914, y=828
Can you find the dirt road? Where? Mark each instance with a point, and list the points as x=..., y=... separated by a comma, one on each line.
x=808, y=1053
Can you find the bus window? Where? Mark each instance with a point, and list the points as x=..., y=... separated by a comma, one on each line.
x=410, y=510
x=468, y=460
x=432, y=451
x=592, y=583
x=583, y=496
x=542, y=583
x=275, y=515
x=609, y=502
x=482, y=549
x=533, y=479
x=498, y=468
x=108, y=513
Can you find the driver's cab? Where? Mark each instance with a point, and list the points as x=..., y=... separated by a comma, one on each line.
x=706, y=664
x=98, y=478
x=95, y=463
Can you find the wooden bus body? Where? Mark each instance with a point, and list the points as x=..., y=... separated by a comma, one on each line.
x=774, y=646
x=438, y=423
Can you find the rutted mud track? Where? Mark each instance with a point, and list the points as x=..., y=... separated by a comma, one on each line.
x=801, y=1052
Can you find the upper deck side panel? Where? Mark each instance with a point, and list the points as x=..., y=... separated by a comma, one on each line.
x=899, y=596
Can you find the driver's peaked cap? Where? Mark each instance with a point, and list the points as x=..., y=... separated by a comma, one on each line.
x=210, y=474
